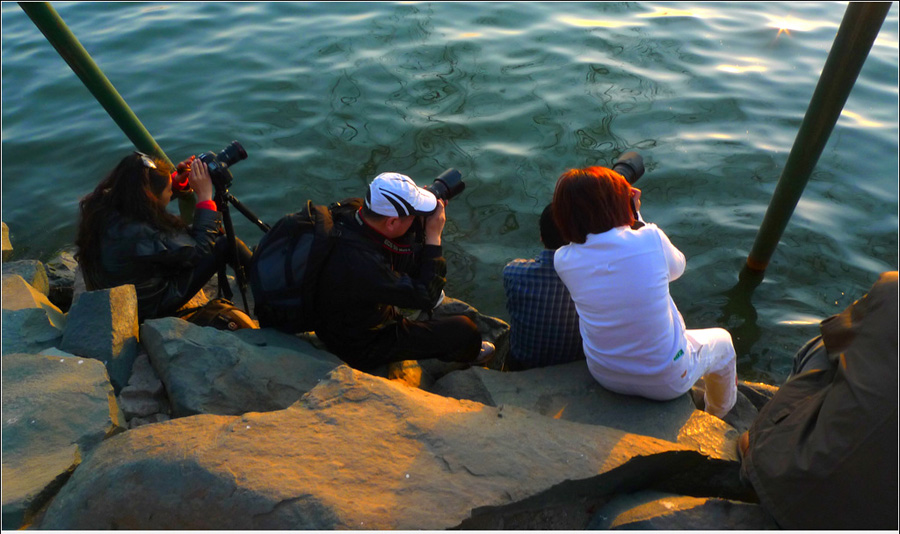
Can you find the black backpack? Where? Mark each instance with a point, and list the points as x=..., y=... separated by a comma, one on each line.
x=286, y=266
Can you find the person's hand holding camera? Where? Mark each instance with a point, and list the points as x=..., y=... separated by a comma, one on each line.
x=434, y=224
x=200, y=181
x=636, y=198
x=180, y=178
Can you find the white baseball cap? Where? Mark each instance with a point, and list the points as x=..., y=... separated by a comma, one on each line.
x=397, y=195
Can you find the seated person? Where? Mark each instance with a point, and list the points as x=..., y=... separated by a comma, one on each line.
x=543, y=319
x=380, y=264
x=618, y=273
x=126, y=236
x=822, y=454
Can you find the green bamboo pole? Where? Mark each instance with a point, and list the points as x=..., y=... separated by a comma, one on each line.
x=854, y=40
x=64, y=41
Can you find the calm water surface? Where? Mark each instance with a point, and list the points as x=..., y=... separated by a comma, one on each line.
x=326, y=95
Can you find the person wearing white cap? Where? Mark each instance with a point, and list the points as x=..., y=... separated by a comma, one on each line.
x=381, y=263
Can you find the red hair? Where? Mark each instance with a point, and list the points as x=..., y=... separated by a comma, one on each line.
x=592, y=200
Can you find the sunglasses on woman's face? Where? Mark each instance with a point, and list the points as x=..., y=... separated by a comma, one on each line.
x=147, y=160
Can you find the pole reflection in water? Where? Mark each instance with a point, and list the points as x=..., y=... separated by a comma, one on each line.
x=739, y=305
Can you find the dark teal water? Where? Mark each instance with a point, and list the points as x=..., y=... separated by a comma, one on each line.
x=326, y=95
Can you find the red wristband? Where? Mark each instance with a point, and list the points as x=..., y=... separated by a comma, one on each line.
x=183, y=185
x=207, y=205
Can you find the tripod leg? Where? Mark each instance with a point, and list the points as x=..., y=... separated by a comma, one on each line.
x=232, y=253
x=224, y=286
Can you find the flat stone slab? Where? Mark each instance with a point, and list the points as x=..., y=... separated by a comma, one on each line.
x=570, y=393
x=357, y=452
x=56, y=409
x=210, y=371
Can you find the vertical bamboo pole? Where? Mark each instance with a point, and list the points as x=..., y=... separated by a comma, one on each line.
x=67, y=45
x=854, y=40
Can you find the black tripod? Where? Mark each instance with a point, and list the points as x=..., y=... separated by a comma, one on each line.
x=223, y=198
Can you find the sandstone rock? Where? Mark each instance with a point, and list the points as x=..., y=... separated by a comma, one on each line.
x=660, y=511
x=32, y=271
x=103, y=325
x=357, y=452
x=6, y=245
x=56, y=410
x=31, y=322
x=205, y=370
x=569, y=392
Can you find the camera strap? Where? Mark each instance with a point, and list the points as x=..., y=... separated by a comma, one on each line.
x=389, y=244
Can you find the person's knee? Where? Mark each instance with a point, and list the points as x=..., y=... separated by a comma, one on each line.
x=464, y=334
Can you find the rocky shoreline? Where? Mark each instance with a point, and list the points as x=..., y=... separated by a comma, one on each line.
x=168, y=425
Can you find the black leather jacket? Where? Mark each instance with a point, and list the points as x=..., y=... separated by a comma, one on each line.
x=160, y=265
x=366, y=278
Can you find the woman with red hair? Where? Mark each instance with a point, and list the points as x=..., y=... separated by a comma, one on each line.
x=618, y=271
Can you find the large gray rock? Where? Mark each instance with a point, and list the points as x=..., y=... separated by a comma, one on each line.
x=660, y=511
x=569, y=392
x=31, y=322
x=103, y=325
x=211, y=371
x=357, y=452
x=56, y=410
x=32, y=271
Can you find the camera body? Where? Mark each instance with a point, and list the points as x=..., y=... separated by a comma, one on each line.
x=631, y=166
x=218, y=164
x=447, y=185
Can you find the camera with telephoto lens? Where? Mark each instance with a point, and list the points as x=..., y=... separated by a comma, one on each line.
x=218, y=164
x=631, y=166
x=447, y=185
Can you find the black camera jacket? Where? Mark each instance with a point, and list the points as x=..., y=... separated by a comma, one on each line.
x=162, y=266
x=367, y=278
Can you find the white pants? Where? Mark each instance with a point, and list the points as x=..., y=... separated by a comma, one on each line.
x=709, y=354
x=716, y=363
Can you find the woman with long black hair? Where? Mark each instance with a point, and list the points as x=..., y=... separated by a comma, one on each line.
x=126, y=236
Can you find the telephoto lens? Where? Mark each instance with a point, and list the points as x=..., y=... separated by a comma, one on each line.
x=630, y=165
x=447, y=185
x=232, y=154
